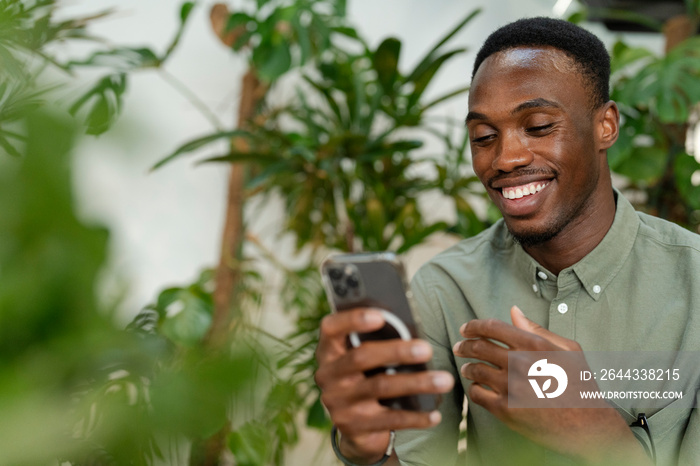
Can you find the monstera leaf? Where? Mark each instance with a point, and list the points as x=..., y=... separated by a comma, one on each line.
x=668, y=85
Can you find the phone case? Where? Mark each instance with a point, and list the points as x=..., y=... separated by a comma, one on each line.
x=377, y=280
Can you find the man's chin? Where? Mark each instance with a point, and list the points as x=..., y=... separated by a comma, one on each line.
x=531, y=237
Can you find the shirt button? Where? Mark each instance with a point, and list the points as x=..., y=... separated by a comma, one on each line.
x=596, y=289
x=542, y=275
x=562, y=308
x=534, y=287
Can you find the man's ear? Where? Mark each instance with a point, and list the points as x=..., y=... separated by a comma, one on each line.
x=608, y=125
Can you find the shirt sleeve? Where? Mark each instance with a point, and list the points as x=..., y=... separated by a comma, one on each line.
x=437, y=445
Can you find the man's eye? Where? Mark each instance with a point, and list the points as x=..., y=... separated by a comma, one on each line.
x=482, y=139
x=535, y=129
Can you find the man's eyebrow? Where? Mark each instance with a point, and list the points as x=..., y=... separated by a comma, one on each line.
x=534, y=103
x=474, y=116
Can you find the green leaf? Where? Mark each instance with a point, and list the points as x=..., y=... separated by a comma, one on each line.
x=644, y=164
x=623, y=56
x=123, y=59
x=302, y=39
x=340, y=8
x=348, y=32
x=419, y=236
x=386, y=61
x=622, y=149
x=428, y=59
x=185, y=11
x=272, y=61
x=193, y=397
x=187, y=319
x=106, y=97
x=668, y=86
x=270, y=171
x=238, y=19
x=166, y=298
x=426, y=75
x=468, y=223
x=444, y=97
x=198, y=143
x=578, y=17
x=684, y=168
x=9, y=147
x=317, y=417
x=250, y=444
x=335, y=108
x=260, y=158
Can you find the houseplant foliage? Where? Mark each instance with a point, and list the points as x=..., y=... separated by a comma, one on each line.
x=145, y=394
x=658, y=97
x=73, y=386
x=343, y=156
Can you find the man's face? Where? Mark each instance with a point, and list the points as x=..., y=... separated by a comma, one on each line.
x=533, y=141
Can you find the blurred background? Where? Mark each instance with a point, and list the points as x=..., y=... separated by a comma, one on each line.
x=173, y=173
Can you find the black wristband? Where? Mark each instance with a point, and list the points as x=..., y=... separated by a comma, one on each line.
x=347, y=462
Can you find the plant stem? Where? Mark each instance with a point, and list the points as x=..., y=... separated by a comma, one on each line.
x=228, y=270
x=186, y=92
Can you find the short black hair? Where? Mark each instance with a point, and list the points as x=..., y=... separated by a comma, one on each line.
x=584, y=48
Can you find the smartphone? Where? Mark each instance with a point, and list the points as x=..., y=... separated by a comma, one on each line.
x=377, y=280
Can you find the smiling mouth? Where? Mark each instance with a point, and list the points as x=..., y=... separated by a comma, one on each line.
x=517, y=192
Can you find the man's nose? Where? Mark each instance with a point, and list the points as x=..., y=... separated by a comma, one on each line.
x=512, y=153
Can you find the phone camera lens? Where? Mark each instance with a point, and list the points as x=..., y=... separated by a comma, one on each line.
x=352, y=281
x=335, y=274
x=340, y=290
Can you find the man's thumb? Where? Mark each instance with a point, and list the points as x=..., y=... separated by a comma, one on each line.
x=523, y=323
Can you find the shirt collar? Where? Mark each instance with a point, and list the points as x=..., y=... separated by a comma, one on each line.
x=601, y=265
x=597, y=269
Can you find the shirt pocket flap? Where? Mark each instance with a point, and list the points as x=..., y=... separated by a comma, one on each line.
x=662, y=421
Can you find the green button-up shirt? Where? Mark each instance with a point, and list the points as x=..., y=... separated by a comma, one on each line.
x=638, y=290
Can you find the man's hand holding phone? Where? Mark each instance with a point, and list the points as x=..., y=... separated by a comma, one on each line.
x=352, y=397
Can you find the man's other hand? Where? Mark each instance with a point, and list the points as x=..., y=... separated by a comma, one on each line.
x=595, y=436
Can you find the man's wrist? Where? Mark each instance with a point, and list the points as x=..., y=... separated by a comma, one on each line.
x=351, y=459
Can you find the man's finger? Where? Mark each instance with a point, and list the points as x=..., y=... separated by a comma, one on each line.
x=484, y=397
x=376, y=418
x=336, y=327
x=383, y=386
x=523, y=323
x=485, y=350
x=494, y=329
x=483, y=374
x=372, y=354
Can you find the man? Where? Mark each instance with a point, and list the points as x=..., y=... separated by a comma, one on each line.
x=587, y=271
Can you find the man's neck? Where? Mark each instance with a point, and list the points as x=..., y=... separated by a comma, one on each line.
x=578, y=238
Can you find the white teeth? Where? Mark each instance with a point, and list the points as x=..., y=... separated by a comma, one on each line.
x=521, y=191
